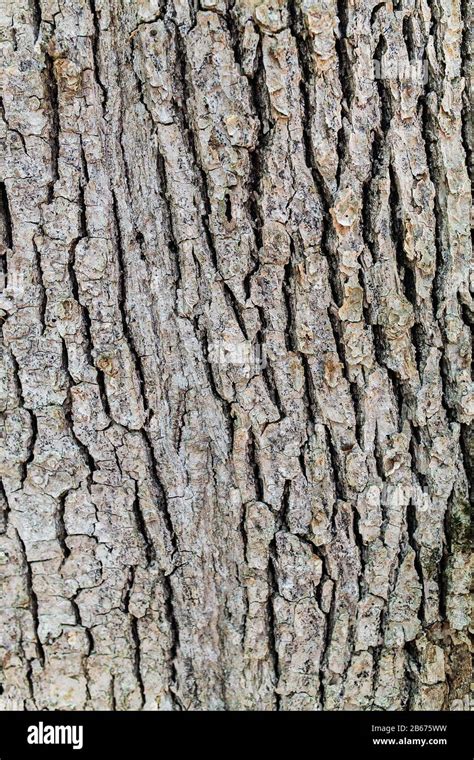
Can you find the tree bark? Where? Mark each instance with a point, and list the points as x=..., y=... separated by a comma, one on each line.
x=236, y=385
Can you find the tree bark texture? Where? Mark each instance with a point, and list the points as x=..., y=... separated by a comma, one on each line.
x=236, y=381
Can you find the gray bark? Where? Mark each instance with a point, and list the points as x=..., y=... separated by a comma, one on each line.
x=236, y=381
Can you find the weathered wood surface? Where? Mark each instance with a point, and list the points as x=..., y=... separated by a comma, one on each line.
x=236, y=382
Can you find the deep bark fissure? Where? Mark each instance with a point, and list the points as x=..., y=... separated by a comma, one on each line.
x=345, y=74
x=43, y=298
x=61, y=531
x=95, y=40
x=272, y=640
x=150, y=552
x=5, y=217
x=137, y=657
x=411, y=529
x=255, y=467
x=33, y=600
x=466, y=66
x=174, y=636
x=37, y=17
x=51, y=85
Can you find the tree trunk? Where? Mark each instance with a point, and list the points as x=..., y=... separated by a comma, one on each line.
x=236, y=352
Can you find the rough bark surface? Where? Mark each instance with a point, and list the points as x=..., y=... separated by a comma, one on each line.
x=236, y=379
